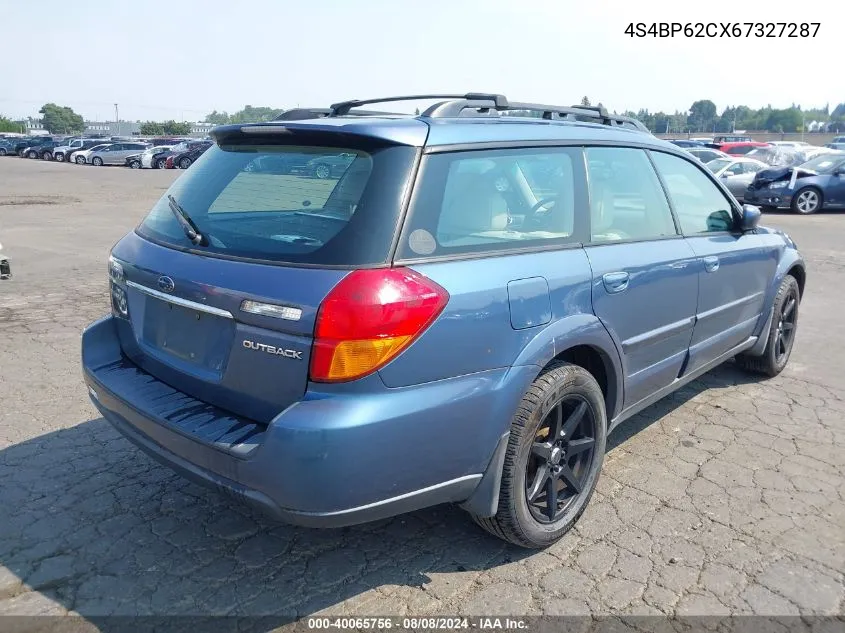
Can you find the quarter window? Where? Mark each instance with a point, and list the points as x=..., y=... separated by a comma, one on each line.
x=699, y=204
x=626, y=199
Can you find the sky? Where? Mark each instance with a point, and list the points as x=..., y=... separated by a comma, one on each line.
x=181, y=59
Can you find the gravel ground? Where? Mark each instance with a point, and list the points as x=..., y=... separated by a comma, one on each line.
x=726, y=498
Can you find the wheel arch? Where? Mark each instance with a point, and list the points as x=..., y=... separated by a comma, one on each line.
x=582, y=340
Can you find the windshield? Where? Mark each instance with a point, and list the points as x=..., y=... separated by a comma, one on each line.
x=718, y=164
x=291, y=204
x=824, y=164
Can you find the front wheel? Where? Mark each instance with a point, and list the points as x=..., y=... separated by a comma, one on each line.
x=553, y=459
x=2, y=151
x=807, y=200
x=47, y=156
x=185, y=163
x=135, y=164
x=60, y=158
x=781, y=333
x=160, y=163
x=32, y=154
x=80, y=160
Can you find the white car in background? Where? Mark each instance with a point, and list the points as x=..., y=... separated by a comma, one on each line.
x=147, y=155
x=80, y=158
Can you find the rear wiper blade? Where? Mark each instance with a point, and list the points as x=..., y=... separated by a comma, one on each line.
x=191, y=230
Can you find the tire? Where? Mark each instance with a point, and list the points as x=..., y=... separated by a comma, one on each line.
x=59, y=157
x=135, y=164
x=567, y=389
x=97, y=161
x=807, y=200
x=781, y=334
x=322, y=171
x=32, y=154
x=47, y=156
x=2, y=151
x=160, y=163
x=79, y=160
x=184, y=163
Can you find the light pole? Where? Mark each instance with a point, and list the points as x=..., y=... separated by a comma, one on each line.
x=117, y=119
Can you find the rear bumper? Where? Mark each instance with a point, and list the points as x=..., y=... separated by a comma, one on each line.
x=333, y=458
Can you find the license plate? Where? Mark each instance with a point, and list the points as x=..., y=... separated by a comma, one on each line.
x=196, y=337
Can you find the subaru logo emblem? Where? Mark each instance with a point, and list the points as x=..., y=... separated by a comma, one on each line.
x=166, y=284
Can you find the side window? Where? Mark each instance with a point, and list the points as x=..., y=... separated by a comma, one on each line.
x=699, y=204
x=626, y=199
x=480, y=201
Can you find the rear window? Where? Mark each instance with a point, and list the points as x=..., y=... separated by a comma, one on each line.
x=323, y=206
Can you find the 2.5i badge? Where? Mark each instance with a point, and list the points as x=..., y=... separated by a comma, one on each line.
x=270, y=349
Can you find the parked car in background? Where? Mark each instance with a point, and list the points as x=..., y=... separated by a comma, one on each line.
x=282, y=163
x=43, y=151
x=193, y=151
x=133, y=161
x=807, y=188
x=838, y=142
x=706, y=154
x=25, y=143
x=732, y=138
x=686, y=142
x=7, y=146
x=5, y=265
x=329, y=165
x=63, y=152
x=164, y=160
x=736, y=173
x=151, y=157
x=789, y=143
x=737, y=148
x=115, y=154
x=367, y=358
x=778, y=155
x=80, y=157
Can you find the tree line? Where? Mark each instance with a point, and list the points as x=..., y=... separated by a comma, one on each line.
x=703, y=116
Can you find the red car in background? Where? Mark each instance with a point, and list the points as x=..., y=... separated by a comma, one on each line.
x=737, y=148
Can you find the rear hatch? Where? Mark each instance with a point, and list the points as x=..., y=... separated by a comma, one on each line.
x=230, y=321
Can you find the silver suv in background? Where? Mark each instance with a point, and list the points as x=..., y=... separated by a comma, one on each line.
x=116, y=153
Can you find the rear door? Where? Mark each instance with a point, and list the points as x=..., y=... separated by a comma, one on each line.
x=231, y=322
x=645, y=282
x=734, y=269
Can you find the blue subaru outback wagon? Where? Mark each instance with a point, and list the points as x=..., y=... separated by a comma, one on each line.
x=461, y=314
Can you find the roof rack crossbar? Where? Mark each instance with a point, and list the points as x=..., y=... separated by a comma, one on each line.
x=480, y=102
x=342, y=108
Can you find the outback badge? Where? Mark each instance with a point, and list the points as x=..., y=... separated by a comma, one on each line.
x=271, y=349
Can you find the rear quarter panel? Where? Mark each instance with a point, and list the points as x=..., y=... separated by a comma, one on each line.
x=477, y=330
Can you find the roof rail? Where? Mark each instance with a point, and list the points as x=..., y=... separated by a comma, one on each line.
x=488, y=103
x=343, y=108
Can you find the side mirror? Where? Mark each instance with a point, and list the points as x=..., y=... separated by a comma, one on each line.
x=750, y=218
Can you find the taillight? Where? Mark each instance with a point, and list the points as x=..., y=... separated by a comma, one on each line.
x=368, y=318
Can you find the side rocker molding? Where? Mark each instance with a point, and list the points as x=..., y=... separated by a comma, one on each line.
x=484, y=500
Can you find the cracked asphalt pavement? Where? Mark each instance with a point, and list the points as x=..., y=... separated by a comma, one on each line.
x=726, y=498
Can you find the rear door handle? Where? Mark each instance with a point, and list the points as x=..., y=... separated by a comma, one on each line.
x=711, y=264
x=615, y=282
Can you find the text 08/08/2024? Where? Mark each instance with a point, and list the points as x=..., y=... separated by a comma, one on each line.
x=723, y=29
